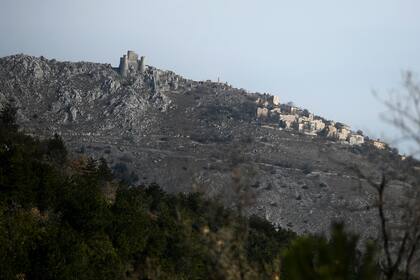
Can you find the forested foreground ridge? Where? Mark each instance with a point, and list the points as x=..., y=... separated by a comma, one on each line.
x=66, y=217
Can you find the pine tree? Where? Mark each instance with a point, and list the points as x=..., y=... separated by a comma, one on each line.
x=8, y=117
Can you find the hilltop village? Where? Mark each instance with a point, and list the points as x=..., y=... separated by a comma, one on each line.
x=274, y=114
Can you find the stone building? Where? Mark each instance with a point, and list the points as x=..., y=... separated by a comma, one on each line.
x=130, y=63
x=308, y=124
x=318, y=125
x=379, y=144
x=276, y=101
x=289, y=109
x=142, y=65
x=268, y=101
x=343, y=134
x=287, y=121
x=331, y=131
x=356, y=139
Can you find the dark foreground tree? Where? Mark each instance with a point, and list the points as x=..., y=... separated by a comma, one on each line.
x=338, y=258
x=398, y=196
x=8, y=116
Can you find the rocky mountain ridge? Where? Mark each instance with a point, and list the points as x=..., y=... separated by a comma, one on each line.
x=246, y=149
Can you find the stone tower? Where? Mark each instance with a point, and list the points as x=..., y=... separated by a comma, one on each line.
x=141, y=65
x=132, y=60
x=123, y=66
x=130, y=63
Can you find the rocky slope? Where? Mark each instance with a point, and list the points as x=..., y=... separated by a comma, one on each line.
x=186, y=135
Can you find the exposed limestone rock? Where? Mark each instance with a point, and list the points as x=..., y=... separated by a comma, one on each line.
x=262, y=112
x=262, y=102
x=276, y=111
x=38, y=72
x=73, y=112
x=66, y=118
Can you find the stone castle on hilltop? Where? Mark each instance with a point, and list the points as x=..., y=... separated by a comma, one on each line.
x=130, y=63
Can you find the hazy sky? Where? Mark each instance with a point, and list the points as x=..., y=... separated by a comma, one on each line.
x=325, y=55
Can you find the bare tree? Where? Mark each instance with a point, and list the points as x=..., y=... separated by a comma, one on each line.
x=398, y=197
x=404, y=111
x=399, y=221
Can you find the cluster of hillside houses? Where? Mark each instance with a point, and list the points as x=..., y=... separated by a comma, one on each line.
x=290, y=117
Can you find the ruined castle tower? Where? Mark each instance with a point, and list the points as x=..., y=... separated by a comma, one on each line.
x=132, y=60
x=130, y=63
x=141, y=65
x=123, y=66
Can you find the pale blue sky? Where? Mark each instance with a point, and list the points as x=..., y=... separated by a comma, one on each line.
x=324, y=55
